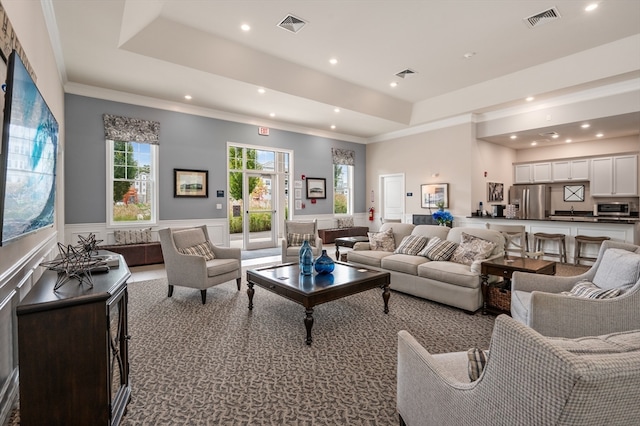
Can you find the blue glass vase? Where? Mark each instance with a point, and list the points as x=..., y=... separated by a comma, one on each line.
x=306, y=259
x=324, y=264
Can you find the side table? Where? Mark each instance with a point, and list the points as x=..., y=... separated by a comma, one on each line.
x=505, y=267
x=348, y=242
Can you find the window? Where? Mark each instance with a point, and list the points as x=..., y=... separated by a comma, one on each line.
x=132, y=192
x=342, y=189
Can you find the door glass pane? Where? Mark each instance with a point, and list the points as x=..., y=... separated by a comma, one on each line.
x=258, y=159
x=236, y=183
x=260, y=208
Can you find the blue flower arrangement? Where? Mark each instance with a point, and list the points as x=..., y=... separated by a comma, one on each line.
x=442, y=217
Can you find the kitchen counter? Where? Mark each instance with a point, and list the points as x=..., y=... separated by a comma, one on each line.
x=567, y=218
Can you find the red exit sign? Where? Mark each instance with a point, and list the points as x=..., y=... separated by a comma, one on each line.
x=264, y=131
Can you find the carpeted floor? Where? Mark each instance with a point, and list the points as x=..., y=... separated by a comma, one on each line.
x=221, y=364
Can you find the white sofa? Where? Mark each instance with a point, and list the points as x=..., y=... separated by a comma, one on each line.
x=450, y=283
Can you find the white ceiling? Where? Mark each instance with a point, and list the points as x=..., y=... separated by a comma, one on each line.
x=165, y=49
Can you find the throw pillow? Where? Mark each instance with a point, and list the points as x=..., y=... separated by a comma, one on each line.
x=472, y=248
x=132, y=236
x=619, y=268
x=382, y=241
x=345, y=222
x=430, y=244
x=589, y=290
x=477, y=360
x=442, y=251
x=411, y=244
x=296, y=240
x=202, y=249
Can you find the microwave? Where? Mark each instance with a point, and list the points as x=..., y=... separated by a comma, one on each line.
x=617, y=208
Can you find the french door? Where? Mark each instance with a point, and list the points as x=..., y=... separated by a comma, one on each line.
x=259, y=224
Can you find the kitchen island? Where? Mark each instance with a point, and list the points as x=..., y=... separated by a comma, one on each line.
x=624, y=230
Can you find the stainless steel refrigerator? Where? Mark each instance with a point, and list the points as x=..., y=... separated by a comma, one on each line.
x=531, y=201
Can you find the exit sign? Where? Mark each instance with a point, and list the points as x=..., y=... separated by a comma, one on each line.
x=264, y=131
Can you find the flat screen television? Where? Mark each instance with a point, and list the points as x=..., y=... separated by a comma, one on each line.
x=28, y=159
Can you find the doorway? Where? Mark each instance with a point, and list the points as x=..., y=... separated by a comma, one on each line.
x=392, y=196
x=258, y=230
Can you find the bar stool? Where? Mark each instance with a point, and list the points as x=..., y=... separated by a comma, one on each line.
x=584, y=239
x=538, y=242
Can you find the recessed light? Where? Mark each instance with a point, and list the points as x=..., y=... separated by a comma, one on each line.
x=261, y=91
x=555, y=136
x=187, y=97
x=333, y=127
x=469, y=55
x=534, y=143
x=599, y=135
x=272, y=114
x=529, y=99
x=245, y=27
x=513, y=137
x=569, y=141
x=591, y=7
x=336, y=110
x=393, y=84
x=333, y=61
x=585, y=125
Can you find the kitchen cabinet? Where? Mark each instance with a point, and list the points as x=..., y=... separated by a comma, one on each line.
x=614, y=176
x=532, y=173
x=73, y=350
x=570, y=170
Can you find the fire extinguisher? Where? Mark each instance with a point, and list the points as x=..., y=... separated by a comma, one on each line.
x=371, y=213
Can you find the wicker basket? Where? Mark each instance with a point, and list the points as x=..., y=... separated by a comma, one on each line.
x=499, y=298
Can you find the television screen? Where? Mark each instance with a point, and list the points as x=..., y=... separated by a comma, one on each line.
x=28, y=163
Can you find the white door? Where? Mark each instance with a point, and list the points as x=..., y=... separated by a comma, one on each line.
x=392, y=196
x=260, y=217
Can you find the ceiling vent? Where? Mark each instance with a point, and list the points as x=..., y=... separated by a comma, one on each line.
x=542, y=17
x=549, y=134
x=406, y=73
x=292, y=24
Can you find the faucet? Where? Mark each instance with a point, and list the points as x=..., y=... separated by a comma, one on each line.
x=571, y=210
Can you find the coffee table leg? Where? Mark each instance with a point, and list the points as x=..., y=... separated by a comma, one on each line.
x=250, y=292
x=385, y=297
x=337, y=252
x=308, y=323
x=485, y=292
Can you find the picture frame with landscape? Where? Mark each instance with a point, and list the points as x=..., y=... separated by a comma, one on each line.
x=434, y=196
x=190, y=183
x=316, y=188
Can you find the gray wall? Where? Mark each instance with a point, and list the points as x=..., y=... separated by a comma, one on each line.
x=188, y=142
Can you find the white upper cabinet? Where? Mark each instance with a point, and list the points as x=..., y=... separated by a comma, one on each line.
x=615, y=176
x=570, y=170
x=532, y=173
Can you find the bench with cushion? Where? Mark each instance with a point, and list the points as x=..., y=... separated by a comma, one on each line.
x=136, y=246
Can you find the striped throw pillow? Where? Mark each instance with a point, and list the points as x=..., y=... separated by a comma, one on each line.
x=296, y=240
x=442, y=251
x=589, y=290
x=202, y=249
x=477, y=360
x=411, y=244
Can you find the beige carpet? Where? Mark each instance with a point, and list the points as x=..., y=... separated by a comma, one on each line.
x=220, y=364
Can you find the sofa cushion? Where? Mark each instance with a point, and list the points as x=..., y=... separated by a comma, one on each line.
x=618, y=268
x=188, y=237
x=450, y=273
x=202, y=249
x=132, y=236
x=345, y=222
x=296, y=240
x=477, y=360
x=405, y=263
x=442, y=250
x=219, y=266
x=431, y=231
x=472, y=248
x=382, y=241
x=589, y=290
x=411, y=244
x=367, y=257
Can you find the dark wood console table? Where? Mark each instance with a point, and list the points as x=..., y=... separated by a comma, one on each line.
x=73, y=351
x=328, y=236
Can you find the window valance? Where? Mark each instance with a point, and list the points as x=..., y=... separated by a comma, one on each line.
x=117, y=128
x=344, y=157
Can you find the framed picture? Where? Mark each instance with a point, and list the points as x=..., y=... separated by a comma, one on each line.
x=316, y=188
x=495, y=191
x=573, y=193
x=434, y=194
x=190, y=183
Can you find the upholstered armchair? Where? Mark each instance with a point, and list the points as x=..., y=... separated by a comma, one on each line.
x=528, y=379
x=295, y=232
x=537, y=300
x=191, y=260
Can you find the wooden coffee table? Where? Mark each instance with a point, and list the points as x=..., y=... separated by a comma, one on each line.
x=505, y=267
x=315, y=289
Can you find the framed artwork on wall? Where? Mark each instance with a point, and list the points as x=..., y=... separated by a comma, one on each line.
x=431, y=195
x=316, y=188
x=573, y=193
x=190, y=183
x=495, y=191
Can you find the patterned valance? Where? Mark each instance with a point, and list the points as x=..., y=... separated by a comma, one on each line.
x=344, y=157
x=127, y=129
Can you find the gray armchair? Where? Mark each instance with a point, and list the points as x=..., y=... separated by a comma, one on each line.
x=291, y=249
x=536, y=300
x=192, y=270
x=528, y=379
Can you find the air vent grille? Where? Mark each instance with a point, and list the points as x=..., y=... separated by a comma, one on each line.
x=292, y=24
x=542, y=17
x=406, y=73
